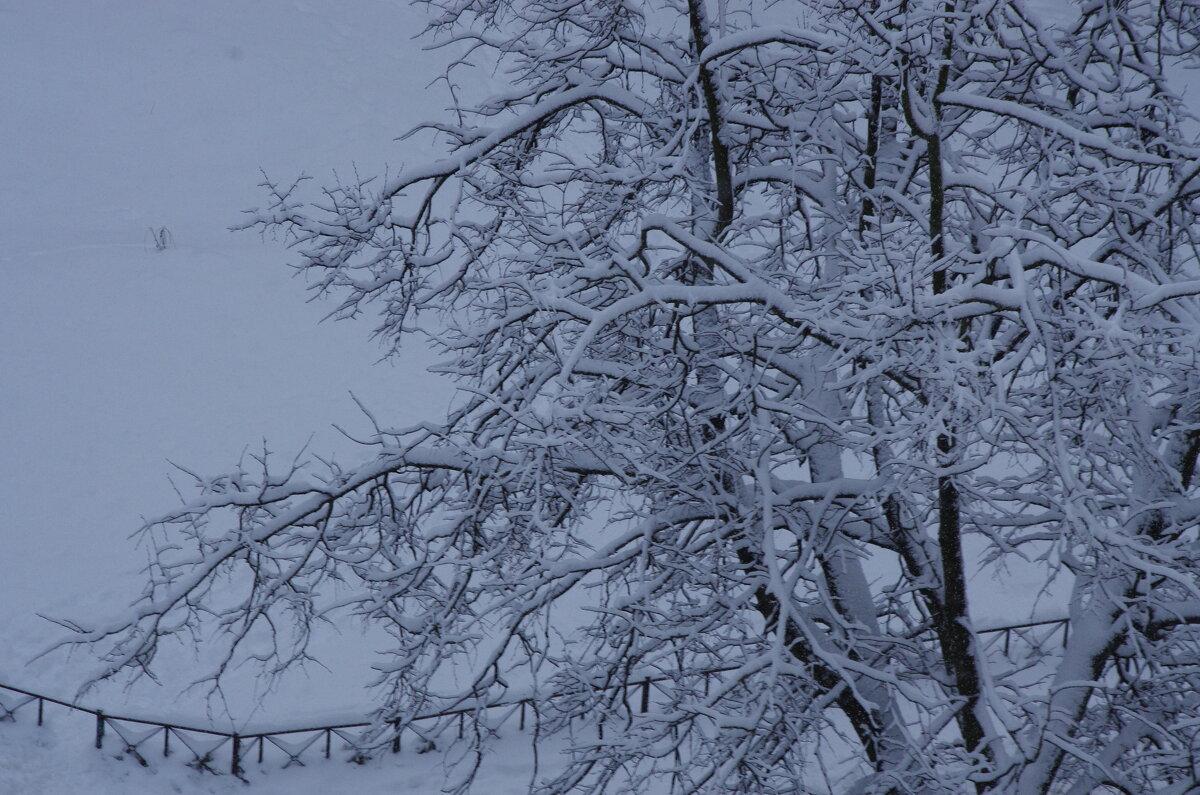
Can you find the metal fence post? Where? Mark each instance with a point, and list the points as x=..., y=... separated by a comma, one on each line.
x=99, y=728
x=646, y=696
x=166, y=741
x=41, y=706
x=328, y=741
x=396, y=739
x=234, y=767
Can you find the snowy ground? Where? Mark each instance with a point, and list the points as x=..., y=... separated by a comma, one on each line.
x=123, y=119
x=58, y=759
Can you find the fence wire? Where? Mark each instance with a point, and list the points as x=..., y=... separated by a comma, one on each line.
x=215, y=751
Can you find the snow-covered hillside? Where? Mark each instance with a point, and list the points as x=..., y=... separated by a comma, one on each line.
x=123, y=119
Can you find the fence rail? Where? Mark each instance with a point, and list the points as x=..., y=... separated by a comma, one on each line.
x=204, y=743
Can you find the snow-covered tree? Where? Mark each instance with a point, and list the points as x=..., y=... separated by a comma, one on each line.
x=784, y=331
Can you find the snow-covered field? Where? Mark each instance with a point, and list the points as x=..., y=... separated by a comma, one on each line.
x=123, y=119
x=59, y=760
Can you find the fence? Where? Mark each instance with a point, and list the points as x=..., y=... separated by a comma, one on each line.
x=240, y=745
x=204, y=743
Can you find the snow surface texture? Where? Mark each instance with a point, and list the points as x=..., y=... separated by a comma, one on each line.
x=125, y=119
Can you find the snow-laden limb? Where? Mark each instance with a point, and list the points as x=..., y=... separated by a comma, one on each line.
x=1051, y=124
x=758, y=37
x=787, y=337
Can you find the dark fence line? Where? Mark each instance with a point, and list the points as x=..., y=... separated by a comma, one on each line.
x=243, y=745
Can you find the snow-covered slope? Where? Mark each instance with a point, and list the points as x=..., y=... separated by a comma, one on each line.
x=122, y=119
x=59, y=759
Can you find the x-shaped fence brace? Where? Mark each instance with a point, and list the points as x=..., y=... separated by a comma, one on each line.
x=1036, y=634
